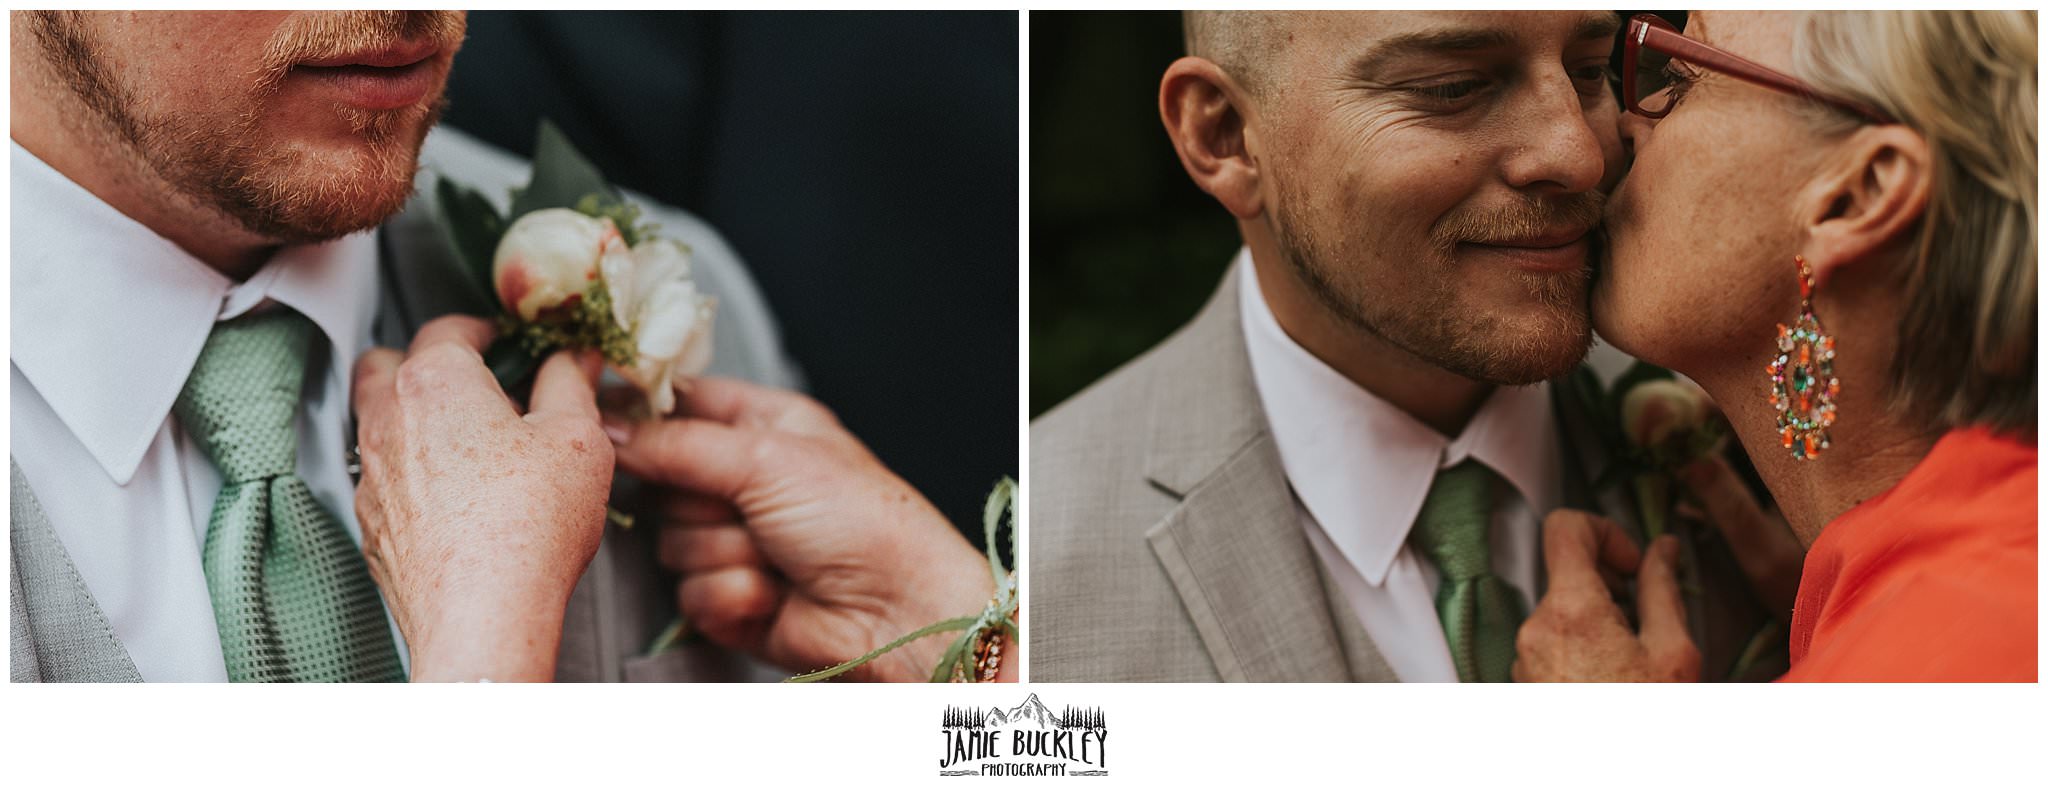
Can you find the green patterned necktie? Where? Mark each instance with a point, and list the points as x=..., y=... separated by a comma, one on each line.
x=291, y=593
x=1479, y=610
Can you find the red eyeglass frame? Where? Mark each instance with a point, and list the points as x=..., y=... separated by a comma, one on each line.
x=1650, y=30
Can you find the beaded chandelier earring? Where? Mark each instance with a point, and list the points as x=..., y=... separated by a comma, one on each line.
x=1803, y=384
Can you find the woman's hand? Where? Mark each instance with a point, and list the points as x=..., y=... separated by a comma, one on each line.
x=477, y=521
x=1578, y=634
x=794, y=543
x=1770, y=555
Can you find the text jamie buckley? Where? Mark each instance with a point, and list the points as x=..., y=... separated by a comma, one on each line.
x=1076, y=746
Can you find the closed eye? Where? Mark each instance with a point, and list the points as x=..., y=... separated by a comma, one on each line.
x=1592, y=80
x=1679, y=78
x=1447, y=93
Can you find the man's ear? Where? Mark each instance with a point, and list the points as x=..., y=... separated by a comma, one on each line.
x=1200, y=105
x=1871, y=198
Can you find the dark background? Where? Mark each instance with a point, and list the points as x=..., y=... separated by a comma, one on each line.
x=1124, y=248
x=864, y=166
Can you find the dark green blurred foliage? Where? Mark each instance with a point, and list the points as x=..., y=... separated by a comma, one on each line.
x=1124, y=248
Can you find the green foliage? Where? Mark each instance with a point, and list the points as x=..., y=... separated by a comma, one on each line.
x=562, y=176
x=1124, y=247
x=586, y=325
x=473, y=227
x=510, y=361
x=623, y=215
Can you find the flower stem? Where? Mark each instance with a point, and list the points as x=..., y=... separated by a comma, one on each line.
x=1653, y=498
x=954, y=624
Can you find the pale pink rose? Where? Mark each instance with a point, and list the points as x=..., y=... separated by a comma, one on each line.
x=1654, y=410
x=550, y=259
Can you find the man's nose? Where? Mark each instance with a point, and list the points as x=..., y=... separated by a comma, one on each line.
x=1559, y=151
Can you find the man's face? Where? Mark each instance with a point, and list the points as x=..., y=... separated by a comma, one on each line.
x=300, y=126
x=1435, y=178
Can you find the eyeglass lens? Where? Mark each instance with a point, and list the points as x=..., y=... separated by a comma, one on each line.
x=1653, y=76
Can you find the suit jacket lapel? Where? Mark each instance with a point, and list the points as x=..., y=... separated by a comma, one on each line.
x=58, y=633
x=1234, y=548
x=1235, y=553
x=417, y=274
x=1585, y=457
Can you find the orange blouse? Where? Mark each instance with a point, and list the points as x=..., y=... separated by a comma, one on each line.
x=1934, y=580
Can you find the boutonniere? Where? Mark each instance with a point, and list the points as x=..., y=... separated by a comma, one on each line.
x=571, y=266
x=1653, y=425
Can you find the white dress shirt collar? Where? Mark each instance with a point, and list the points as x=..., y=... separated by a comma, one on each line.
x=1362, y=467
x=109, y=317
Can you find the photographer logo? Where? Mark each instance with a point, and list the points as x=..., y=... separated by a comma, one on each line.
x=1027, y=740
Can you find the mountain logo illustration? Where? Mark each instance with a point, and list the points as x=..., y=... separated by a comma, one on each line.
x=1033, y=710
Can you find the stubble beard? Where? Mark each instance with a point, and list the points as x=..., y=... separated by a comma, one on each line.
x=1435, y=326
x=268, y=188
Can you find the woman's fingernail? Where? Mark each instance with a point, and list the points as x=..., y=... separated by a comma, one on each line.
x=618, y=431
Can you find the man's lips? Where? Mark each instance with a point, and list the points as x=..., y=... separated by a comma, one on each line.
x=399, y=53
x=391, y=77
x=1552, y=238
x=1561, y=250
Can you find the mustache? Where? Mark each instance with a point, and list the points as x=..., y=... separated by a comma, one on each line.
x=1527, y=218
x=329, y=34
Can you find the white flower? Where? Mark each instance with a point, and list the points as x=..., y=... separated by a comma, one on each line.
x=551, y=259
x=1655, y=410
x=658, y=305
x=548, y=260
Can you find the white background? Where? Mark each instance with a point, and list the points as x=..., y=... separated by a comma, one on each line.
x=720, y=737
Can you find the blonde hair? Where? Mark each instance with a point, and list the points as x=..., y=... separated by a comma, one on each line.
x=1964, y=80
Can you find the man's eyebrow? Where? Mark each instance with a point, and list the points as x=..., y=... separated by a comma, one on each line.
x=1599, y=26
x=1427, y=42
x=1451, y=40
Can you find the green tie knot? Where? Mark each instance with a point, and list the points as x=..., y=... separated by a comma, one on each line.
x=241, y=398
x=1451, y=532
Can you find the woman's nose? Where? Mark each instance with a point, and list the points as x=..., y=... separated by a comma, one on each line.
x=1634, y=130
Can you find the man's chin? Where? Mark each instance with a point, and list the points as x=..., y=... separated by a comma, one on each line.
x=318, y=192
x=1528, y=363
x=1532, y=343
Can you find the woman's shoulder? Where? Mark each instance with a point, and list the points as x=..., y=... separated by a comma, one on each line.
x=1932, y=624
x=1936, y=579
x=1973, y=486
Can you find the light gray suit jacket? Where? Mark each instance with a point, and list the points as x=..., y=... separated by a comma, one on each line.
x=58, y=633
x=1165, y=544
x=1164, y=540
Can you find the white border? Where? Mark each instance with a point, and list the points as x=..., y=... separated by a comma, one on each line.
x=1719, y=738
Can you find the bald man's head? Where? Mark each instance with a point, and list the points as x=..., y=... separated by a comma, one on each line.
x=1247, y=44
